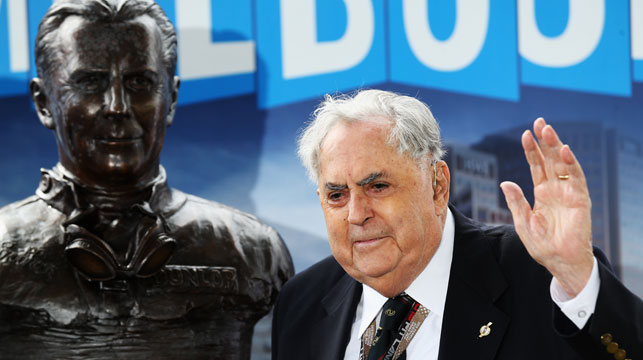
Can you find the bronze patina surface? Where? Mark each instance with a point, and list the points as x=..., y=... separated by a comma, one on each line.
x=106, y=260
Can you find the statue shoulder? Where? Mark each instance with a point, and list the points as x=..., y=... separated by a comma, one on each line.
x=230, y=237
x=225, y=220
x=17, y=208
x=31, y=241
x=28, y=222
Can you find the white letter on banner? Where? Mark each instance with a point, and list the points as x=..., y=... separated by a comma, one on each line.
x=636, y=18
x=199, y=57
x=464, y=44
x=581, y=36
x=303, y=56
x=18, y=41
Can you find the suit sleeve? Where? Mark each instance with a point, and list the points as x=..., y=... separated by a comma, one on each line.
x=615, y=330
x=275, y=330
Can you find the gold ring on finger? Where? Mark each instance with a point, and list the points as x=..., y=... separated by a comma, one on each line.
x=563, y=177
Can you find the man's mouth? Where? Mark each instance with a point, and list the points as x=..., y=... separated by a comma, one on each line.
x=368, y=242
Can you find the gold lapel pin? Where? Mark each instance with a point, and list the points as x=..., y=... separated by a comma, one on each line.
x=485, y=330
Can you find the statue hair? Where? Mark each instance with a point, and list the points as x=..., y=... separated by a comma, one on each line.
x=100, y=10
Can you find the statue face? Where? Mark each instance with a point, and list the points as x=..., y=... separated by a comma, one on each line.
x=110, y=100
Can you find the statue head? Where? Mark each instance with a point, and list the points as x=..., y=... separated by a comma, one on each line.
x=106, y=87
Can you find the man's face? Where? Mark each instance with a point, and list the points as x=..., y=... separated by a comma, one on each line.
x=110, y=99
x=384, y=219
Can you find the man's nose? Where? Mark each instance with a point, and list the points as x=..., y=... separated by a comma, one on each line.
x=116, y=100
x=359, y=209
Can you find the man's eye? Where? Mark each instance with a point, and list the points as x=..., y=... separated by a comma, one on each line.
x=380, y=186
x=335, y=196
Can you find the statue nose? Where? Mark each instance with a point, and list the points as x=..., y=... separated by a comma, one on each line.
x=116, y=101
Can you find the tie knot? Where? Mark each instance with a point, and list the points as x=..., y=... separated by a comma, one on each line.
x=394, y=311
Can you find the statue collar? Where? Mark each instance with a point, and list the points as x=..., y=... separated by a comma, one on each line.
x=112, y=234
x=62, y=191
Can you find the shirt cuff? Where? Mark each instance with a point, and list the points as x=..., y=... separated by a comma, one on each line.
x=580, y=308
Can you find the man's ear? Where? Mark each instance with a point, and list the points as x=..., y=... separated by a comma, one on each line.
x=441, y=186
x=174, y=96
x=41, y=102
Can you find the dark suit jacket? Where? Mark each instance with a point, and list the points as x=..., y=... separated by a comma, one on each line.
x=493, y=278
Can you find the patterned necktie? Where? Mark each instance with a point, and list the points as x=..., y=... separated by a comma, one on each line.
x=394, y=312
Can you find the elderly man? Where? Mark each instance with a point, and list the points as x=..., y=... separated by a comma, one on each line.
x=107, y=261
x=412, y=278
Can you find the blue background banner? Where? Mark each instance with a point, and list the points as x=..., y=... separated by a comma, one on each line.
x=492, y=70
x=13, y=64
x=571, y=62
x=323, y=69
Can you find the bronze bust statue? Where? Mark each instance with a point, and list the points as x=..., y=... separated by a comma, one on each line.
x=106, y=260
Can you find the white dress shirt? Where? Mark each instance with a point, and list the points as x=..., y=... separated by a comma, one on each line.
x=430, y=290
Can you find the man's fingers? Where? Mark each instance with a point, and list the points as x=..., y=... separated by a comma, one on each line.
x=551, y=138
x=550, y=145
x=539, y=124
x=518, y=205
x=564, y=162
x=534, y=158
x=571, y=164
x=547, y=146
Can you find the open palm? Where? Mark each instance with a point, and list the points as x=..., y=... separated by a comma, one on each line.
x=557, y=231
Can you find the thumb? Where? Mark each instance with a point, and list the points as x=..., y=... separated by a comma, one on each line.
x=518, y=205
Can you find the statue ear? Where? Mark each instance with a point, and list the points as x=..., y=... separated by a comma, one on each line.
x=41, y=102
x=174, y=96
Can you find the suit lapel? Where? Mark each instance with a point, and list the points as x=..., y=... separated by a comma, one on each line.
x=475, y=283
x=332, y=333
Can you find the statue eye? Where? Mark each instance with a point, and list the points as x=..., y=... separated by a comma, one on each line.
x=91, y=82
x=139, y=83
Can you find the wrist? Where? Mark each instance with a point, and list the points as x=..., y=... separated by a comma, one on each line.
x=574, y=277
x=580, y=308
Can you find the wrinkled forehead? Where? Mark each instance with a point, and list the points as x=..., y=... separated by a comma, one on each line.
x=376, y=126
x=98, y=43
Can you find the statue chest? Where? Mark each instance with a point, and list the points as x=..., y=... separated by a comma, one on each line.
x=183, y=311
x=169, y=294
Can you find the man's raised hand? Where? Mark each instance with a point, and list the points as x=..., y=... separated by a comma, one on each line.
x=557, y=232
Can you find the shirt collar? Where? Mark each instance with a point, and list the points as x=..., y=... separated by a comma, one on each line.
x=429, y=288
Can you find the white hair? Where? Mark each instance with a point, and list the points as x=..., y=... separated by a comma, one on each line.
x=414, y=130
